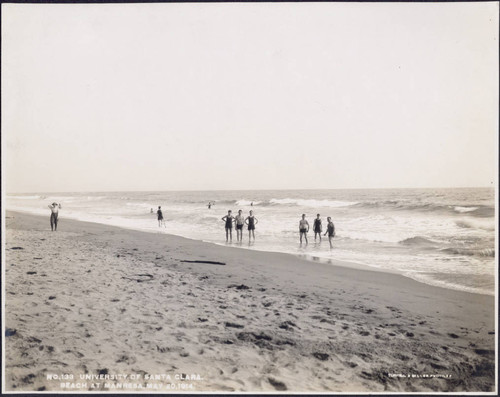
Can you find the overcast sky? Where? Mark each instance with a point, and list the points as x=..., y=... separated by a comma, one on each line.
x=249, y=96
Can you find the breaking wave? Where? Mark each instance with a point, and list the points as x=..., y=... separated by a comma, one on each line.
x=465, y=209
x=311, y=202
x=477, y=211
x=247, y=202
x=417, y=241
x=24, y=197
x=484, y=252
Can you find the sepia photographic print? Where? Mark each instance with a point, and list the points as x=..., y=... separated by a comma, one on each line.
x=285, y=198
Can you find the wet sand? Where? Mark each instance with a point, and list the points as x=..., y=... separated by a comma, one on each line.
x=98, y=301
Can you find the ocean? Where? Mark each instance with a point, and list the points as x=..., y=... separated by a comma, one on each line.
x=443, y=237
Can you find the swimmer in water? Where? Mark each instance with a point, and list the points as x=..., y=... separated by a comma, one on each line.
x=229, y=219
x=54, y=214
x=303, y=228
x=240, y=221
x=330, y=229
x=317, y=228
x=251, y=221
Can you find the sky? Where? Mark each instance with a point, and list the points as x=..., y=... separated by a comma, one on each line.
x=125, y=97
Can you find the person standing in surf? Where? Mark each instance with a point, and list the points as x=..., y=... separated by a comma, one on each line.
x=317, y=227
x=303, y=228
x=330, y=229
x=251, y=221
x=54, y=215
x=229, y=219
x=160, y=217
x=240, y=221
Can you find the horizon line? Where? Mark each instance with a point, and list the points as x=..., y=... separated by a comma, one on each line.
x=247, y=190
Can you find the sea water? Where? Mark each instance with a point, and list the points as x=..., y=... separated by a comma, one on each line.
x=443, y=237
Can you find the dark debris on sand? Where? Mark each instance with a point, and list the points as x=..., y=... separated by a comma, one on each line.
x=240, y=287
x=10, y=332
x=207, y=262
x=233, y=325
x=321, y=356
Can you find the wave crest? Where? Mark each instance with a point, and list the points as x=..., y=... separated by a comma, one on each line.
x=465, y=209
x=24, y=197
x=247, y=202
x=484, y=252
x=417, y=240
x=311, y=202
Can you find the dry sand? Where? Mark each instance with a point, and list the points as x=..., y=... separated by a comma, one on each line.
x=104, y=301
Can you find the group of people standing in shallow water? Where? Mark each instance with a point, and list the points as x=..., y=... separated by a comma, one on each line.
x=317, y=228
x=250, y=221
x=239, y=220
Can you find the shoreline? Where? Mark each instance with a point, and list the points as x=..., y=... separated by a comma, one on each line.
x=309, y=257
x=263, y=321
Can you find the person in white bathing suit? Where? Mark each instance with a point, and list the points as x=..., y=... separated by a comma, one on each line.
x=303, y=228
x=240, y=221
x=54, y=215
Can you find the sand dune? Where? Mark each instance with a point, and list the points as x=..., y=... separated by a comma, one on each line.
x=92, y=302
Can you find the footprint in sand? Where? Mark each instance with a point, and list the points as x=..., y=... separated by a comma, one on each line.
x=485, y=352
x=28, y=378
x=239, y=287
x=321, y=356
x=75, y=353
x=277, y=384
x=438, y=367
x=287, y=325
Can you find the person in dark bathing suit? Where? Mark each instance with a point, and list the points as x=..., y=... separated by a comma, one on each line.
x=330, y=229
x=229, y=219
x=251, y=221
x=317, y=228
x=160, y=217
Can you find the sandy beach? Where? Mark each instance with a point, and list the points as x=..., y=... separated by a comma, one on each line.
x=109, y=309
